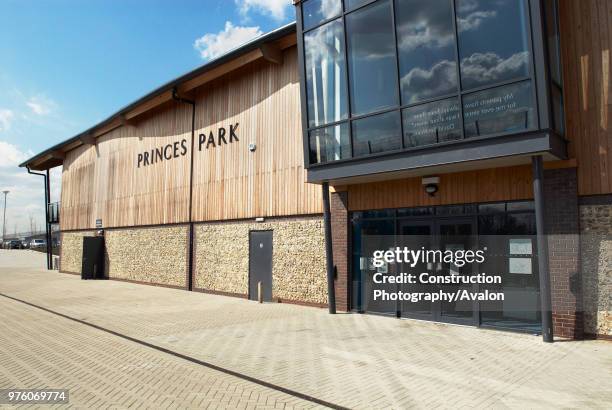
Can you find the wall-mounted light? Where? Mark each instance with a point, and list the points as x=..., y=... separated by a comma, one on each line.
x=252, y=147
x=431, y=185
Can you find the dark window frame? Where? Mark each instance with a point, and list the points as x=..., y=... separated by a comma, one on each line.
x=539, y=76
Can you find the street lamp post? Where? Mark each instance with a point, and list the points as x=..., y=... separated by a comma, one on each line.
x=4, y=217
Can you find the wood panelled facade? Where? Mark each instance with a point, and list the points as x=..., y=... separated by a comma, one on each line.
x=232, y=182
x=489, y=185
x=586, y=38
x=104, y=181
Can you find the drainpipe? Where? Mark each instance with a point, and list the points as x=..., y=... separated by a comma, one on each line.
x=176, y=97
x=545, y=298
x=48, y=224
x=46, y=180
x=331, y=288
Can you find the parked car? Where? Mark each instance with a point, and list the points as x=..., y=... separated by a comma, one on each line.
x=25, y=244
x=14, y=244
x=38, y=243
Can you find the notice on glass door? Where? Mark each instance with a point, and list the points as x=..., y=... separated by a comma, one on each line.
x=521, y=246
x=520, y=266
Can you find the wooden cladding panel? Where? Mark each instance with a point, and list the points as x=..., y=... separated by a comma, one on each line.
x=103, y=181
x=586, y=37
x=231, y=182
x=489, y=185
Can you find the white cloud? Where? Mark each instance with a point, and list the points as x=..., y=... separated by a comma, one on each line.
x=421, y=84
x=41, y=105
x=26, y=192
x=474, y=20
x=487, y=68
x=422, y=35
x=465, y=6
x=213, y=45
x=6, y=117
x=11, y=155
x=277, y=9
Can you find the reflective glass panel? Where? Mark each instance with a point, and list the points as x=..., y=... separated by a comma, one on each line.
x=379, y=213
x=325, y=74
x=523, y=224
x=431, y=123
x=372, y=62
x=493, y=41
x=449, y=210
x=376, y=134
x=426, y=45
x=498, y=110
x=492, y=208
x=330, y=144
x=368, y=236
x=552, y=34
x=317, y=11
x=353, y=4
x=414, y=212
x=521, y=206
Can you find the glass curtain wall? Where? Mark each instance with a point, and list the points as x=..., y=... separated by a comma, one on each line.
x=389, y=75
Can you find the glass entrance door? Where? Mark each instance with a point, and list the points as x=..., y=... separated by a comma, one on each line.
x=445, y=234
x=416, y=235
x=453, y=235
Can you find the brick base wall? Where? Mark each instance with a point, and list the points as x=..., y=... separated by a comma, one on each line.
x=562, y=230
x=341, y=246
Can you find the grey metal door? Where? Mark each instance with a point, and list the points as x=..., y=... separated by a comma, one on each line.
x=260, y=264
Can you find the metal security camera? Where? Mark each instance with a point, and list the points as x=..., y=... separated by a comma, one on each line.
x=431, y=185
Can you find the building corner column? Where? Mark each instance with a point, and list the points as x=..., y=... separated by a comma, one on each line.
x=341, y=246
x=562, y=228
x=543, y=270
x=329, y=256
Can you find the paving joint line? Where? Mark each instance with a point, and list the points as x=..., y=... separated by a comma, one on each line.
x=251, y=379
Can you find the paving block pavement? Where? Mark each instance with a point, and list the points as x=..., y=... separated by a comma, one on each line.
x=42, y=350
x=351, y=360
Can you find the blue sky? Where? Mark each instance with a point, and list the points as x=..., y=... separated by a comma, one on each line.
x=67, y=64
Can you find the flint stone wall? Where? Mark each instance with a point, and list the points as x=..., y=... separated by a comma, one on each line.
x=156, y=255
x=298, y=259
x=596, y=258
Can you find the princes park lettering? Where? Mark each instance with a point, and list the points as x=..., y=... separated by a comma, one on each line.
x=223, y=137
x=210, y=140
x=166, y=152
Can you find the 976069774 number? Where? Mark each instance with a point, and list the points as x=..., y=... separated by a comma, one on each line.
x=39, y=396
